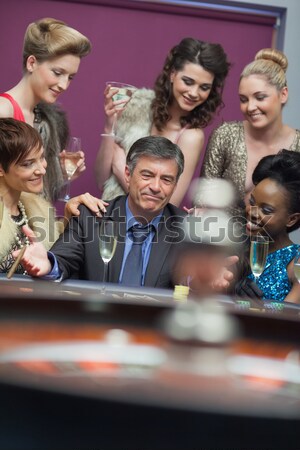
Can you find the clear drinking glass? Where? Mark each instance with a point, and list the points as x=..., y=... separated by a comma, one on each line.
x=258, y=254
x=70, y=160
x=108, y=236
x=122, y=96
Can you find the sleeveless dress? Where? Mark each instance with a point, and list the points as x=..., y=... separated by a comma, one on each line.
x=52, y=124
x=274, y=281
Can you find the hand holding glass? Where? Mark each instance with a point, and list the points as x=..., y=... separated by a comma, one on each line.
x=71, y=157
x=123, y=95
x=108, y=237
x=258, y=255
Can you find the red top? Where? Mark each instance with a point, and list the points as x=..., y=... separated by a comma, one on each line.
x=18, y=114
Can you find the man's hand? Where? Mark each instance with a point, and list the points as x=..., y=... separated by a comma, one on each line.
x=225, y=276
x=35, y=260
x=207, y=270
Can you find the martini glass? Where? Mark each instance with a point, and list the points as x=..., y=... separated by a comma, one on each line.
x=121, y=97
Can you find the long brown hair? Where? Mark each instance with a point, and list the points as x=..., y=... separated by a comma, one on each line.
x=209, y=56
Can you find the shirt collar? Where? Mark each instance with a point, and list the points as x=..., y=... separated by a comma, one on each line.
x=131, y=220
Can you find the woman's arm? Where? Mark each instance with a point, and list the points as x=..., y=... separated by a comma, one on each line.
x=191, y=144
x=105, y=156
x=118, y=166
x=294, y=294
x=103, y=165
x=96, y=205
x=214, y=159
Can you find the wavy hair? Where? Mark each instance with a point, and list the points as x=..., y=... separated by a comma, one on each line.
x=209, y=56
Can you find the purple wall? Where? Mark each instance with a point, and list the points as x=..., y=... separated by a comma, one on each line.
x=128, y=45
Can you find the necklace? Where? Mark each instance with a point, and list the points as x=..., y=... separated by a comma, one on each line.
x=21, y=220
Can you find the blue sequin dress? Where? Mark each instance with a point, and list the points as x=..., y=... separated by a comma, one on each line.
x=274, y=281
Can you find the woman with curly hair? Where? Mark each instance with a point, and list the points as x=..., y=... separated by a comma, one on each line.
x=186, y=95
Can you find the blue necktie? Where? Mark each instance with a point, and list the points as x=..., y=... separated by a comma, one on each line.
x=132, y=273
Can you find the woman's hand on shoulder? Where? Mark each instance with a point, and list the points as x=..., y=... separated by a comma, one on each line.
x=95, y=204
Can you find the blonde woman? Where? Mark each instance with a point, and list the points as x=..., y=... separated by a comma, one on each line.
x=235, y=148
x=52, y=53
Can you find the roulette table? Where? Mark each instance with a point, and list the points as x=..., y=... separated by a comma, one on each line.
x=136, y=369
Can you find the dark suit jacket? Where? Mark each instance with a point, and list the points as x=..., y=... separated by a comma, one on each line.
x=77, y=249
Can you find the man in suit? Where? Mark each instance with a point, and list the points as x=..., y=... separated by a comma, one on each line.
x=153, y=167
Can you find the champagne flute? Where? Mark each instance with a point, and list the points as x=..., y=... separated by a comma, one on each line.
x=71, y=158
x=125, y=92
x=258, y=254
x=297, y=265
x=108, y=235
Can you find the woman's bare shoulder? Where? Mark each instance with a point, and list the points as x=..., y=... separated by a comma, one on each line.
x=6, y=108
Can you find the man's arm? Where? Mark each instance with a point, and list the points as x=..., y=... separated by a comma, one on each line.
x=69, y=249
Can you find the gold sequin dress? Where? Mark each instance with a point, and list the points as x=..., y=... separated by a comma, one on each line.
x=226, y=157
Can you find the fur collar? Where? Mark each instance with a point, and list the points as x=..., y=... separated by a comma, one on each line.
x=134, y=123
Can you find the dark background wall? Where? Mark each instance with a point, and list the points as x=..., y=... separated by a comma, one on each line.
x=129, y=45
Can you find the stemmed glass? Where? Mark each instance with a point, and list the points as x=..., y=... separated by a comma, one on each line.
x=297, y=265
x=258, y=254
x=70, y=159
x=108, y=236
x=123, y=95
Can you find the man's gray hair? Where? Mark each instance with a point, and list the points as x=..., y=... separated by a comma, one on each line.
x=157, y=147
